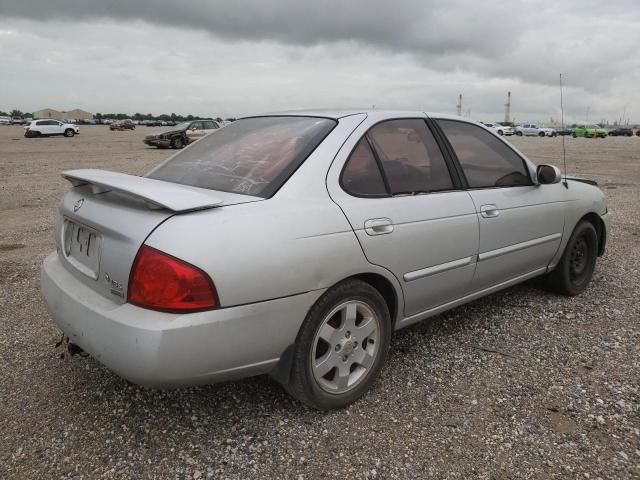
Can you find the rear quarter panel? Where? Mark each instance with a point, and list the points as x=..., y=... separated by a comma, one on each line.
x=297, y=241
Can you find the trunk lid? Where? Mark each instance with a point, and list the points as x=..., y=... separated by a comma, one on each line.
x=107, y=216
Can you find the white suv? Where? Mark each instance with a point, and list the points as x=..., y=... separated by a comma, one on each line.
x=49, y=126
x=499, y=129
x=533, y=130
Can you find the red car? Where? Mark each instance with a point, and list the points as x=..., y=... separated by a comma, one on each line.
x=123, y=125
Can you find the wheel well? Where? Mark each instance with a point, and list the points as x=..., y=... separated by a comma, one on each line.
x=598, y=224
x=385, y=288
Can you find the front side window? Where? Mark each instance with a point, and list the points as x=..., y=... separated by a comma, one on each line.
x=253, y=156
x=485, y=159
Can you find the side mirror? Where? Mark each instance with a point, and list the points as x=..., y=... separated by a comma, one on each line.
x=548, y=174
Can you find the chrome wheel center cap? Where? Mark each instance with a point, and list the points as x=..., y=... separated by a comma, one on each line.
x=347, y=347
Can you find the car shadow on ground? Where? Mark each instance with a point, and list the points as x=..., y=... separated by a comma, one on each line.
x=263, y=396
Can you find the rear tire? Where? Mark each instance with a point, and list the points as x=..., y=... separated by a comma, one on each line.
x=519, y=134
x=541, y=134
x=500, y=132
x=69, y=132
x=341, y=346
x=573, y=273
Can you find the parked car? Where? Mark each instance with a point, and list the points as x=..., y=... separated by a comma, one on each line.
x=17, y=121
x=153, y=123
x=621, y=132
x=5, y=120
x=182, y=135
x=531, y=129
x=297, y=244
x=564, y=131
x=499, y=129
x=123, y=125
x=49, y=126
x=589, y=131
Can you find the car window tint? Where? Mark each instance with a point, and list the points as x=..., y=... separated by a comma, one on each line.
x=410, y=156
x=209, y=125
x=361, y=175
x=485, y=159
x=196, y=126
x=254, y=156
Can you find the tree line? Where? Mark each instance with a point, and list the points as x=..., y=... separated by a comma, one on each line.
x=148, y=116
x=123, y=116
x=15, y=113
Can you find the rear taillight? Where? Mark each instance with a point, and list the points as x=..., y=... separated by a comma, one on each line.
x=161, y=282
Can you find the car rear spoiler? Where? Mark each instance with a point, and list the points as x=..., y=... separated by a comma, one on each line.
x=158, y=194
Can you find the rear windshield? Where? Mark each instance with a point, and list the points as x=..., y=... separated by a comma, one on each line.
x=253, y=156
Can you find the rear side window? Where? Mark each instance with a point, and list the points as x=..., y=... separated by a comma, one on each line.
x=252, y=156
x=410, y=157
x=485, y=159
x=361, y=175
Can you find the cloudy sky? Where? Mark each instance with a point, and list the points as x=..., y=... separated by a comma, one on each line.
x=211, y=57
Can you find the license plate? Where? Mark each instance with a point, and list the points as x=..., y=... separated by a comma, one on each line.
x=82, y=248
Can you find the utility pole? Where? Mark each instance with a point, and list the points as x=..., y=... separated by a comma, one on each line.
x=459, y=106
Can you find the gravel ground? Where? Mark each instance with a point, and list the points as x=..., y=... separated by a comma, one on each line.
x=521, y=384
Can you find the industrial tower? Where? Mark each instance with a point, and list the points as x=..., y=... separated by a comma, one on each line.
x=507, y=109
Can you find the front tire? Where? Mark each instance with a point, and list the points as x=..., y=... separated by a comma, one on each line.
x=500, y=132
x=341, y=346
x=541, y=134
x=575, y=269
x=69, y=132
x=519, y=134
x=177, y=143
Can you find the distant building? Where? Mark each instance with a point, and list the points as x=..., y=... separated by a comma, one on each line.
x=75, y=114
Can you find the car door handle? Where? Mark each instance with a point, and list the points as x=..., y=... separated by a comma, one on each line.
x=489, y=211
x=378, y=226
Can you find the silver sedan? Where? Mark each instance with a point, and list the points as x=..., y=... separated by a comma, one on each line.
x=294, y=244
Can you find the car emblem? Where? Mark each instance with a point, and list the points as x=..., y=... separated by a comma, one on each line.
x=78, y=204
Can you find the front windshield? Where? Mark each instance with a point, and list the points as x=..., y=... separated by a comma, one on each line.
x=252, y=156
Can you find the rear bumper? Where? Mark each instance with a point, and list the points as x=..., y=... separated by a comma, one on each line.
x=159, y=349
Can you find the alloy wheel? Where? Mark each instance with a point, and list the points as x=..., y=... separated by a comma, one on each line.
x=345, y=346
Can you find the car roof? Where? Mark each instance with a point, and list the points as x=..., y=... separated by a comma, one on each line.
x=337, y=114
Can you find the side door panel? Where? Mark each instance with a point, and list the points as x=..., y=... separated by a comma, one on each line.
x=428, y=241
x=521, y=223
x=523, y=237
x=432, y=248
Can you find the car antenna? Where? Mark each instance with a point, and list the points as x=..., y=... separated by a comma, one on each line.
x=564, y=151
